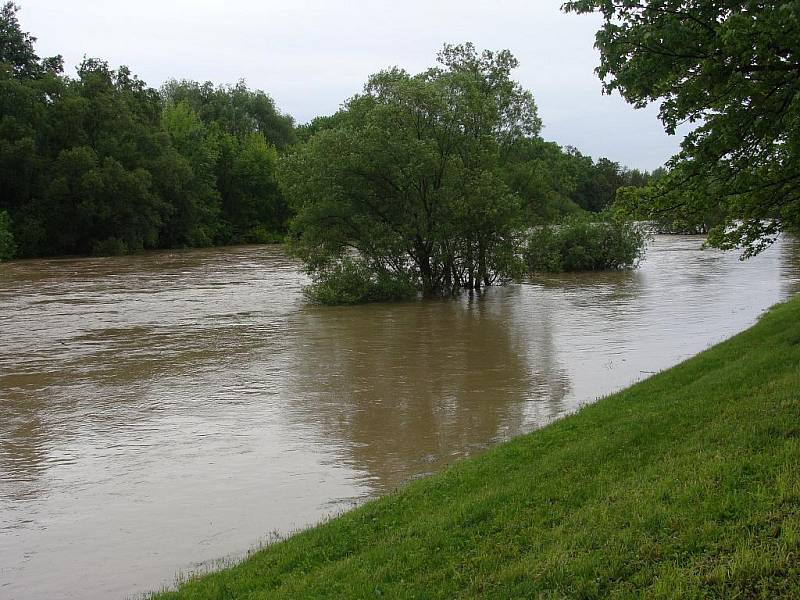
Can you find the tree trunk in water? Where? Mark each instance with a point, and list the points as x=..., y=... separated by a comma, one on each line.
x=457, y=282
x=470, y=270
x=427, y=276
x=482, y=275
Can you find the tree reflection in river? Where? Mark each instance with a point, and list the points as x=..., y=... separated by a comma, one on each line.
x=409, y=387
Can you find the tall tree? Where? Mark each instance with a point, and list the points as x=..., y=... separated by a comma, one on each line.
x=28, y=87
x=17, y=54
x=733, y=69
x=237, y=109
x=252, y=204
x=409, y=174
x=185, y=176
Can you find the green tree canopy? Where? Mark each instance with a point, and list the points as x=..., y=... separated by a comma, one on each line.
x=409, y=174
x=186, y=174
x=17, y=54
x=429, y=176
x=733, y=69
x=100, y=162
x=7, y=245
x=237, y=109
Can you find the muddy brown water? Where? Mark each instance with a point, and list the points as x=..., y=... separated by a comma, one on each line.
x=160, y=412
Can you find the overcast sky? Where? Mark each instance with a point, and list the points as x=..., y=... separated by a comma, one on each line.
x=310, y=55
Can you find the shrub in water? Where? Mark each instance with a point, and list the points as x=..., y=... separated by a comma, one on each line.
x=581, y=245
x=352, y=281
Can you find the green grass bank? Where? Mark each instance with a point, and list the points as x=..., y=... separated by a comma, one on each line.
x=686, y=485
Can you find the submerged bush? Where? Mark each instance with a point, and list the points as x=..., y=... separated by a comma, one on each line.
x=7, y=246
x=352, y=281
x=581, y=245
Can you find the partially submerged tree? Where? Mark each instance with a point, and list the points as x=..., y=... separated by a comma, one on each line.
x=409, y=175
x=733, y=68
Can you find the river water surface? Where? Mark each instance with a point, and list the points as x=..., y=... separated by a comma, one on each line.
x=159, y=412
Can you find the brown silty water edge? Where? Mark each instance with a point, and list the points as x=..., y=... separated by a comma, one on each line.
x=158, y=412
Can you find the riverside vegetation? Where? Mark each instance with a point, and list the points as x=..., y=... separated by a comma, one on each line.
x=579, y=244
x=428, y=182
x=684, y=485
x=100, y=163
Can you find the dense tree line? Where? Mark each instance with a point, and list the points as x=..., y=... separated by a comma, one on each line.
x=100, y=163
x=556, y=181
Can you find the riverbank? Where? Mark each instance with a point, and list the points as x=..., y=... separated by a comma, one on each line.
x=684, y=485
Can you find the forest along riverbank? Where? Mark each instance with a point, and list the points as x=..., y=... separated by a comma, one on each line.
x=165, y=410
x=683, y=486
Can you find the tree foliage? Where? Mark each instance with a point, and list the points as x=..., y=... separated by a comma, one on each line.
x=409, y=174
x=433, y=180
x=429, y=178
x=102, y=163
x=236, y=109
x=732, y=69
x=555, y=182
x=7, y=246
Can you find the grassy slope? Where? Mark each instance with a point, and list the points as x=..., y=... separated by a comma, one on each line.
x=685, y=485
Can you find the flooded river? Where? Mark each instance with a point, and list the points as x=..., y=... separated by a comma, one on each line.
x=159, y=412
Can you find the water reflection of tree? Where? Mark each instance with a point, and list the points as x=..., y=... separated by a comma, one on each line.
x=405, y=389
x=598, y=287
